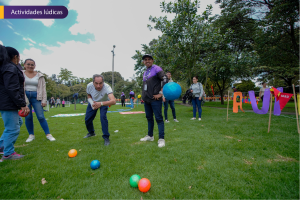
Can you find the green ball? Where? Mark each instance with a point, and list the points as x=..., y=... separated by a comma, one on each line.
x=134, y=180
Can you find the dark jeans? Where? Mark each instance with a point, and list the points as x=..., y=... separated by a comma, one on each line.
x=90, y=116
x=166, y=105
x=197, y=102
x=123, y=103
x=155, y=107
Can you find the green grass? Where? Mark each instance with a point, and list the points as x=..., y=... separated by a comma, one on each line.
x=290, y=106
x=210, y=159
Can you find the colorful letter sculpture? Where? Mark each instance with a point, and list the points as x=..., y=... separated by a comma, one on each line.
x=265, y=102
x=237, y=104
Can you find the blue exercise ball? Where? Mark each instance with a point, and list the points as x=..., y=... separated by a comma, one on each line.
x=95, y=164
x=172, y=91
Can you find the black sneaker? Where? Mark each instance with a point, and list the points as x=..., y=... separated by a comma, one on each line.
x=89, y=135
x=106, y=142
x=1, y=150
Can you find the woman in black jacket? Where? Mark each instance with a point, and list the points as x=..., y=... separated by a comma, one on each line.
x=12, y=98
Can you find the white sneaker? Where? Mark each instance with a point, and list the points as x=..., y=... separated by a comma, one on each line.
x=30, y=138
x=147, y=138
x=161, y=143
x=167, y=121
x=193, y=118
x=50, y=137
x=199, y=119
x=175, y=120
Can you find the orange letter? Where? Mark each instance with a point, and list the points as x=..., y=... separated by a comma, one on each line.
x=237, y=104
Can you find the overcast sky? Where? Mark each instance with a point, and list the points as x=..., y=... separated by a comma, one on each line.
x=82, y=42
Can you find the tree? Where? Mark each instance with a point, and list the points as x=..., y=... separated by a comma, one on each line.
x=245, y=86
x=277, y=38
x=180, y=48
x=108, y=77
x=65, y=75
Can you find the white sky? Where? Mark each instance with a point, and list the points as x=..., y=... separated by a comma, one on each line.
x=121, y=23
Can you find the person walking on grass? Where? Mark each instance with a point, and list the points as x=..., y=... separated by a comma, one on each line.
x=12, y=98
x=167, y=102
x=63, y=103
x=35, y=90
x=123, y=97
x=58, y=102
x=100, y=96
x=152, y=96
x=197, y=90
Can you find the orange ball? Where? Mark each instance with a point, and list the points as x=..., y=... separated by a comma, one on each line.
x=144, y=185
x=72, y=153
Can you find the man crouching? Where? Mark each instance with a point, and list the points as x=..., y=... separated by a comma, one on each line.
x=100, y=95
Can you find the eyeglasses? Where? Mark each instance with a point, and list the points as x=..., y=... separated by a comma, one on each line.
x=30, y=64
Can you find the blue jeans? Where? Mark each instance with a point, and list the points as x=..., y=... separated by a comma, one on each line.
x=38, y=109
x=197, y=102
x=90, y=116
x=155, y=107
x=131, y=101
x=166, y=105
x=12, y=123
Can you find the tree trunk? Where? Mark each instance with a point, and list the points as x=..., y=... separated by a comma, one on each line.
x=222, y=100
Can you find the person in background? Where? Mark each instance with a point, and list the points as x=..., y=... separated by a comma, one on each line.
x=197, y=90
x=63, y=103
x=123, y=97
x=12, y=98
x=52, y=102
x=131, y=96
x=167, y=102
x=262, y=91
x=58, y=102
x=35, y=90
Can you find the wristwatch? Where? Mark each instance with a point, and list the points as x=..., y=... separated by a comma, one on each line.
x=101, y=103
x=160, y=92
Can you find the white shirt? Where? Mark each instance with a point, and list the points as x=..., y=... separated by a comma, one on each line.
x=101, y=95
x=31, y=83
x=263, y=91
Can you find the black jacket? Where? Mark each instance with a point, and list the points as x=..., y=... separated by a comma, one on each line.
x=11, y=87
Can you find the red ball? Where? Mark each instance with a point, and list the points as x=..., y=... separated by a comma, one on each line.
x=144, y=185
x=21, y=114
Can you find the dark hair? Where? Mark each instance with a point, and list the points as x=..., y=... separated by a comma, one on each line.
x=3, y=55
x=11, y=52
x=29, y=60
x=195, y=77
x=168, y=72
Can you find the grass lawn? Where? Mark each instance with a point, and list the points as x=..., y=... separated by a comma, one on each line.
x=208, y=159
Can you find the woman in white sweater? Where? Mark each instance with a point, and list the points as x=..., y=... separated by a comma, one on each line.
x=35, y=90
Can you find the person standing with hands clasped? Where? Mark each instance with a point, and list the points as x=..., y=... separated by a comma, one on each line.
x=197, y=90
x=35, y=90
x=152, y=96
x=100, y=96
